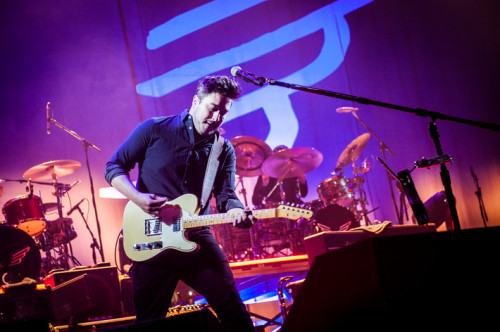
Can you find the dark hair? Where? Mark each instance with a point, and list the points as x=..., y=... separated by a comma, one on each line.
x=220, y=84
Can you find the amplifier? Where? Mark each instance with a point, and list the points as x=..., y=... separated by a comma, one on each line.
x=103, y=286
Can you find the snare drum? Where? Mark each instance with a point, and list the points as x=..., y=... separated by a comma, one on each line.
x=26, y=213
x=336, y=190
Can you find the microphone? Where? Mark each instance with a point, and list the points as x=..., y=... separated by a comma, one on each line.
x=48, y=118
x=75, y=207
x=236, y=71
x=346, y=109
x=69, y=187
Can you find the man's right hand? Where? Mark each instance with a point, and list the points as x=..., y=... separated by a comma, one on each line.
x=150, y=203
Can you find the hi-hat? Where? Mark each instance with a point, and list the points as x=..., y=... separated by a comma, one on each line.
x=250, y=155
x=292, y=162
x=353, y=150
x=52, y=169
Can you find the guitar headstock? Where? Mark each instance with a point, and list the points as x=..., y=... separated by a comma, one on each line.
x=292, y=212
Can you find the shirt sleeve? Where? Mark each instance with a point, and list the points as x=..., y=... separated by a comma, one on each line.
x=131, y=151
x=224, y=185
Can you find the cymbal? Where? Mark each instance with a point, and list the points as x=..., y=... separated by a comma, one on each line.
x=353, y=150
x=52, y=169
x=292, y=162
x=250, y=154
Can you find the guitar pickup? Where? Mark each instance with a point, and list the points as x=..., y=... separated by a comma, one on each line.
x=152, y=227
x=148, y=246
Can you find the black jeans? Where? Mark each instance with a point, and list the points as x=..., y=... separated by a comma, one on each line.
x=207, y=271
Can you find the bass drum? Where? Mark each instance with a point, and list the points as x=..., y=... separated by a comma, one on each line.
x=334, y=217
x=19, y=256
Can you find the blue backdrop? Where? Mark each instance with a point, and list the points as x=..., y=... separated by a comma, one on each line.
x=107, y=65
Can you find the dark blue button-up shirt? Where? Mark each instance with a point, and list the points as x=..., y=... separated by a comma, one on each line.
x=172, y=164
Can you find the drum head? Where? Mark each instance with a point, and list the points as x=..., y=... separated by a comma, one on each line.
x=337, y=218
x=19, y=256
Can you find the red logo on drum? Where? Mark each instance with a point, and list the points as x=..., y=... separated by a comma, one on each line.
x=18, y=257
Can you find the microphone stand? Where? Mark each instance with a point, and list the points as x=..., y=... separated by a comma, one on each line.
x=86, y=145
x=94, y=244
x=445, y=178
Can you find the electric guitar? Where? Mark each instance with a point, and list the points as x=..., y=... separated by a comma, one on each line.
x=145, y=237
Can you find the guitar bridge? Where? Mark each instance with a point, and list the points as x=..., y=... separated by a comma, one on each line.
x=152, y=227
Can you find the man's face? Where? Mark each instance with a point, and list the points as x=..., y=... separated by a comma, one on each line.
x=209, y=113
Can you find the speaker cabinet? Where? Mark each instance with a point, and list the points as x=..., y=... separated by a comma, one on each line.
x=104, y=291
x=425, y=280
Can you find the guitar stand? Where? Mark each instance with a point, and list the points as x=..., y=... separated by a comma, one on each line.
x=283, y=308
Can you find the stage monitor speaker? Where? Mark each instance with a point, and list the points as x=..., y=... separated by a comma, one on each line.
x=104, y=288
x=421, y=280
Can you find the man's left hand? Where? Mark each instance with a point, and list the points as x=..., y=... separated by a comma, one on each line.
x=244, y=219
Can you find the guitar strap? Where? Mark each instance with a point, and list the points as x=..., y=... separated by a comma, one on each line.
x=211, y=171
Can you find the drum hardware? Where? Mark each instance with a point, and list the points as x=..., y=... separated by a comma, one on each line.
x=42, y=230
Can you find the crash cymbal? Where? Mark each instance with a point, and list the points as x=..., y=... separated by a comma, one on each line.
x=250, y=154
x=353, y=150
x=52, y=169
x=292, y=162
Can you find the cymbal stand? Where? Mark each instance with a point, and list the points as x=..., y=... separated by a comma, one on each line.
x=63, y=253
x=362, y=201
x=383, y=148
x=86, y=145
x=278, y=183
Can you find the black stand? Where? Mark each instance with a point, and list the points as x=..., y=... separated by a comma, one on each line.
x=479, y=197
x=383, y=148
x=94, y=244
x=445, y=177
x=86, y=144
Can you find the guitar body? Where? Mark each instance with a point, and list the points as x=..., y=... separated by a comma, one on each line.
x=145, y=237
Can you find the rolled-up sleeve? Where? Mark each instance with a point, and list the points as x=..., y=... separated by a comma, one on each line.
x=131, y=151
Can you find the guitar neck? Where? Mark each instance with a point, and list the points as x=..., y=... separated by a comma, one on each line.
x=223, y=218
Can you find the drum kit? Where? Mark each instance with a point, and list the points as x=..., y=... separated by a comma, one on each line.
x=341, y=204
x=27, y=231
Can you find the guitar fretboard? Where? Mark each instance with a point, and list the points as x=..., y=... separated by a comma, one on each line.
x=223, y=218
